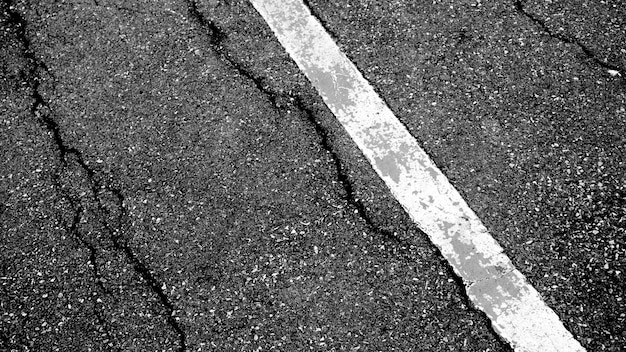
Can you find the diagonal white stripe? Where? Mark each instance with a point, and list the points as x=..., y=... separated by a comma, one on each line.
x=493, y=284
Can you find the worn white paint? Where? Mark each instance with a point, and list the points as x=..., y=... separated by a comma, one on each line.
x=493, y=284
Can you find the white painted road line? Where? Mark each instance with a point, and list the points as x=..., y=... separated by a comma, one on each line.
x=493, y=284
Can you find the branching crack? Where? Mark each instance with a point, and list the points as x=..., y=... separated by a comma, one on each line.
x=71, y=157
x=569, y=39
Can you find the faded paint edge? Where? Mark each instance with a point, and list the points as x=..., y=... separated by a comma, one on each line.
x=493, y=284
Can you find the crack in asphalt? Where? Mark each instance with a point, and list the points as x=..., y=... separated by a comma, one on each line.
x=42, y=112
x=217, y=37
x=344, y=178
x=32, y=78
x=97, y=277
x=568, y=39
x=459, y=281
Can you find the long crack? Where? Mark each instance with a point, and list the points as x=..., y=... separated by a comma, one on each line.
x=32, y=78
x=217, y=37
x=41, y=110
x=568, y=39
x=277, y=99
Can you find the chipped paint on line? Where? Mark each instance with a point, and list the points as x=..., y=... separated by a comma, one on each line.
x=388, y=165
x=493, y=284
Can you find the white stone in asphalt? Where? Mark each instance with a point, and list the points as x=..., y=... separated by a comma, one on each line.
x=493, y=284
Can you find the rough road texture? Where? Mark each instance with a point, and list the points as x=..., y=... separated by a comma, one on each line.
x=522, y=105
x=170, y=181
x=162, y=192
x=93, y=216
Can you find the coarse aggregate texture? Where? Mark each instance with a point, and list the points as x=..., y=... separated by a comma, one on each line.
x=70, y=278
x=597, y=28
x=528, y=123
x=171, y=183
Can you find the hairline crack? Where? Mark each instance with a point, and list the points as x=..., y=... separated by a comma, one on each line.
x=568, y=39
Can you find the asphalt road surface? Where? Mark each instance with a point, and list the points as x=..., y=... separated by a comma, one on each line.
x=170, y=181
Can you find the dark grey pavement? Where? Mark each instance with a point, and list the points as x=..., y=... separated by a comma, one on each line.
x=515, y=102
x=169, y=181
